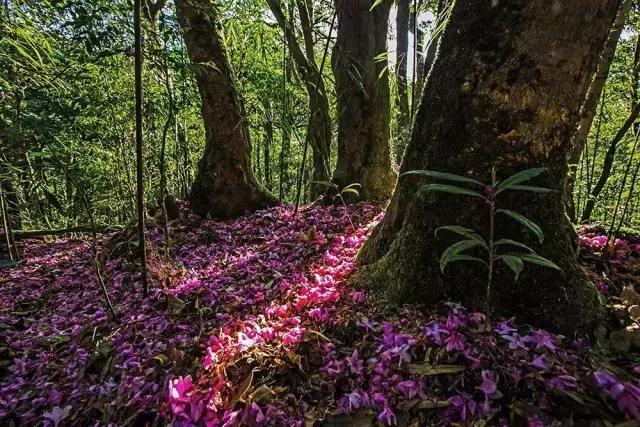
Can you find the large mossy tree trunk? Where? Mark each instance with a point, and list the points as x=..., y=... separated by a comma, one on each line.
x=504, y=92
x=362, y=87
x=224, y=186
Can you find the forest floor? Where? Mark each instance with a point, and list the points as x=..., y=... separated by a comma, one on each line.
x=253, y=322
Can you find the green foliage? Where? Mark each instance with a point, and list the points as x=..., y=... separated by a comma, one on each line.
x=458, y=251
x=619, y=94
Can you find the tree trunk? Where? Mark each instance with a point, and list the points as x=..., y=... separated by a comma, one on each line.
x=402, y=52
x=319, y=125
x=588, y=111
x=362, y=88
x=418, y=56
x=268, y=141
x=498, y=98
x=224, y=186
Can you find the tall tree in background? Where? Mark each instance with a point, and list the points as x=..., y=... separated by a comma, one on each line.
x=319, y=126
x=142, y=248
x=588, y=111
x=225, y=186
x=402, y=52
x=497, y=98
x=151, y=9
x=362, y=86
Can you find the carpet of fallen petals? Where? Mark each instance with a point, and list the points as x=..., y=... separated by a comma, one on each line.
x=253, y=322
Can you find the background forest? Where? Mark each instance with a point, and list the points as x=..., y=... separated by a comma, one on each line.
x=67, y=122
x=307, y=170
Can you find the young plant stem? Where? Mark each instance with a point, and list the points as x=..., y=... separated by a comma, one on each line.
x=163, y=164
x=492, y=212
x=346, y=210
x=139, y=159
x=96, y=256
x=285, y=136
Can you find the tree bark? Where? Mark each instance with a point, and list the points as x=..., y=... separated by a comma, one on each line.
x=498, y=98
x=588, y=111
x=362, y=88
x=225, y=186
x=432, y=46
x=319, y=125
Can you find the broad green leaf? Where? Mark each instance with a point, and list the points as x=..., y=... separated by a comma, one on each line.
x=512, y=243
x=538, y=260
x=535, y=228
x=531, y=189
x=513, y=262
x=457, y=248
x=454, y=258
x=518, y=178
x=444, y=176
x=443, y=188
x=465, y=232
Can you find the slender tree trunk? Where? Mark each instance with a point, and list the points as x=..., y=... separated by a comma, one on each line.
x=186, y=162
x=402, y=52
x=418, y=56
x=8, y=229
x=224, y=186
x=496, y=97
x=588, y=110
x=362, y=87
x=142, y=248
x=319, y=125
x=607, y=165
x=268, y=141
x=11, y=200
x=285, y=124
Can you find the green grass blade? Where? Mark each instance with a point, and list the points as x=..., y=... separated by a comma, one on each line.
x=531, y=188
x=513, y=243
x=443, y=188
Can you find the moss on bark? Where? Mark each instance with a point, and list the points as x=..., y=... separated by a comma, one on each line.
x=504, y=92
x=224, y=186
